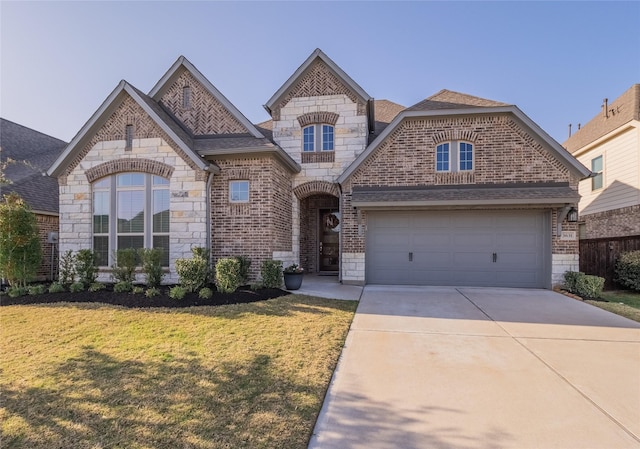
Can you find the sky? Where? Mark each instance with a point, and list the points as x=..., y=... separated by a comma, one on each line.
x=556, y=61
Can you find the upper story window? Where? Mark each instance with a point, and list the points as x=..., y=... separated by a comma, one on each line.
x=596, y=168
x=454, y=156
x=318, y=137
x=130, y=210
x=239, y=191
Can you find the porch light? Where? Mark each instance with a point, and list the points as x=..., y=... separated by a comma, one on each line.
x=572, y=215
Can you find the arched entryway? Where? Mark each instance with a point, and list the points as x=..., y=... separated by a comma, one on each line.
x=319, y=227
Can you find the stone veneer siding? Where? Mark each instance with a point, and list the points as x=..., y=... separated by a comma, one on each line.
x=257, y=229
x=621, y=222
x=503, y=153
x=47, y=224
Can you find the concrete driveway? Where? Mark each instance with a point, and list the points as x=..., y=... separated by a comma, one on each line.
x=463, y=368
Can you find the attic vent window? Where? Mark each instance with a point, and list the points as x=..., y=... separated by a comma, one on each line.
x=186, y=97
x=128, y=137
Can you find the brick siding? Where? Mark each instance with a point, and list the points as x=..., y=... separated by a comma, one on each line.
x=47, y=224
x=621, y=222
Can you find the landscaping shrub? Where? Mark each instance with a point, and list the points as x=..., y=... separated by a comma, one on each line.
x=152, y=266
x=85, y=267
x=20, y=250
x=628, y=270
x=76, y=287
x=36, y=289
x=589, y=286
x=194, y=273
x=122, y=287
x=124, y=269
x=570, y=280
x=97, y=286
x=151, y=292
x=271, y=272
x=228, y=277
x=245, y=266
x=56, y=288
x=205, y=293
x=15, y=292
x=137, y=290
x=67, y=268
x=177, y=292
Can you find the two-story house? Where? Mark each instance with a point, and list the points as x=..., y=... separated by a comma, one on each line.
x=455, y=190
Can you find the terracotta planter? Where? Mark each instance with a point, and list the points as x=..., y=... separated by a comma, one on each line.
x=292, y=281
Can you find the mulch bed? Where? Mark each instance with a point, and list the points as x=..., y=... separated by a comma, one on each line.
x=108, y=296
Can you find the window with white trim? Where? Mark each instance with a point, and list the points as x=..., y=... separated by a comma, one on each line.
x=130, y=210
x=318, y=137
x=239, y=191
x=597, y=169
x=459, y=159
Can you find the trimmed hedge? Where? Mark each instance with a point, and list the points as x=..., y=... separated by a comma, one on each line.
x=628, y=270
x=583, y=285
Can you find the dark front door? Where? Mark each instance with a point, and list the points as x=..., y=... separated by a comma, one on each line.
x=329, y=245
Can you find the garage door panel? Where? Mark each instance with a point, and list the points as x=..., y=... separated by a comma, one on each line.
x=433, y=240
x=432, y=260
x=471, y=259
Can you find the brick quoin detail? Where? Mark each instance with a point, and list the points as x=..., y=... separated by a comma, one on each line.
x=129, y=165
x=330, y=118
x=316, y=187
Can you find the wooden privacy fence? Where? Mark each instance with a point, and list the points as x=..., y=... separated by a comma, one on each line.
x=598, y=256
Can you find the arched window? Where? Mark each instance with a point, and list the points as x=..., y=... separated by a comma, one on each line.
x=318, y=137
x=130, y=210
x=460, y=159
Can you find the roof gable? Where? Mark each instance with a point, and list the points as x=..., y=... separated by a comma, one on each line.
x=318, y=75
x=448, y=99
x=122, y=93
x=210, y=113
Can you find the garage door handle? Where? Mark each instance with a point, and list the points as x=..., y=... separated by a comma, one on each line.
x=410, y=257
x=495, y=257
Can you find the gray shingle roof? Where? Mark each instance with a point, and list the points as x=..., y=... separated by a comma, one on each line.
x=447, y=99
x=39, y=150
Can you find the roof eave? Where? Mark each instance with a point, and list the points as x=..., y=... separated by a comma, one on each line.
x=539, y=202
x=287, y=160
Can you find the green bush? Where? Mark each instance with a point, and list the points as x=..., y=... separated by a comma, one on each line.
x=124, y=269
x=20, y=250
x=194, y=273
x=137, y=290
x=205, y=293
x=67, y=268
x=589, y=286
x=15, y=292
x=97, y=286
x=628, y=270
x=571, y=279
x=151, y=292
x=56, y=288
x=271, y=272
x=86, y=267
x=38, y=289
x=123, y=287
x=152, y=266
x=177, y=292
x=228, y=275
x=76, y=287
x=245, y=266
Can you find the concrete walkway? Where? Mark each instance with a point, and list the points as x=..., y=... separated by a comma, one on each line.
x=464, y=368
x=328, y=287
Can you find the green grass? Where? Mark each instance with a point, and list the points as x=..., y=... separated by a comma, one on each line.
x=238, y=376
x=622, y=302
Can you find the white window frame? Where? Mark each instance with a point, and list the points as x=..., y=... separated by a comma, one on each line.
x=238, y=184
x=319, y=138
x=455, y=150
x=597, y=174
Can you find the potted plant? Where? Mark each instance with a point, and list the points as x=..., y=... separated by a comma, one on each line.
x=293, y=277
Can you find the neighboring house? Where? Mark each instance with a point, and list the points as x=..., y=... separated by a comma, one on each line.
x=456, y=190
x=609, y=144
x=32, y=153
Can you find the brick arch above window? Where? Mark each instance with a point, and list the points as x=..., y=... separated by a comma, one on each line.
x=129, y=165
x=455, y=134
x=315, y=188
x=330, y=118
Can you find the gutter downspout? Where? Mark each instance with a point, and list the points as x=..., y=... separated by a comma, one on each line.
x=208, y=238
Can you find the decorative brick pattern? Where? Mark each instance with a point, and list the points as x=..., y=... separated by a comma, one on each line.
x=318, y=81
x=329, y=118
x=454, y=134
x=316, y=187
x=47, y=224
x=455, y=178
x=129, y=165
x=621, y=222
x=310, y=157
x=205, y=114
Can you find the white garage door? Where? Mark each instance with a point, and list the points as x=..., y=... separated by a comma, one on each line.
x=466, y=248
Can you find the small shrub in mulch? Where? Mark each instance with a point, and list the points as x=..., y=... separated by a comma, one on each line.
x=140, y=300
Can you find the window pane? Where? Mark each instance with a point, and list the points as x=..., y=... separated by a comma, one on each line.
x=308, y=139
x=101, y=212
x=596, y=182
x=596, y=164
x=161, y=210
x=130, y=179
x=104, y=183
x=327, y=138
x=101, y=250
x=239, y=191
x=160, y=181
x=466, y=156
x=130, y=241
x=131, y=211
x=162, y=242
x=442, y=157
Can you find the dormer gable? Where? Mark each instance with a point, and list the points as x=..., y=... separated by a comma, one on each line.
x=319, y=76
x=191, y=98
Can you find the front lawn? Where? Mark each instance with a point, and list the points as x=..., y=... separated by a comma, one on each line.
x=235, y=376
x=622, y=302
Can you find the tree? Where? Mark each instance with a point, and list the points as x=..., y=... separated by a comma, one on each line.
x=20, y=251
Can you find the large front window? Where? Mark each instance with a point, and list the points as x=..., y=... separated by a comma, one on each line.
x=130, y=210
